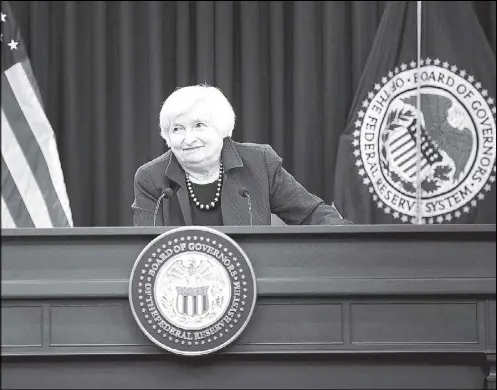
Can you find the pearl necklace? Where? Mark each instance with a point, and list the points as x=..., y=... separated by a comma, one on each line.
x=193, y=197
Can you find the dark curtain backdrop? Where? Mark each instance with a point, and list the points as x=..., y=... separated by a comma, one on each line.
x=104, y=68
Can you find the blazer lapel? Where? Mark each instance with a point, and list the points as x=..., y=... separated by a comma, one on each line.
x=234, y=207
x=184, y=203
x=176, y=174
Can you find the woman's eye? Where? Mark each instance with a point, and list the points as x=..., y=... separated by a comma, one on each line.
x=176, y=129
x=199, y=125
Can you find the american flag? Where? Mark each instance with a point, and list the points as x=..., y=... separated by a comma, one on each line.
x=33, y=189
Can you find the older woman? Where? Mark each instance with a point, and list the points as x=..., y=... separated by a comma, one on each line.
x=208, y=179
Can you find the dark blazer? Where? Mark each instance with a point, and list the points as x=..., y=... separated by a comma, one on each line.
x=257, y=167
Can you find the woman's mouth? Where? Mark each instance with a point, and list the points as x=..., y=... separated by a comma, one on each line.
x=192, y=149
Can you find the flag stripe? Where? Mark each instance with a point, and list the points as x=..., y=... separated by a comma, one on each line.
x=14, y=211
x=7, y=221
x=28, y=72
x=200, y=305
x=411, y=171
x=22, y=176
x=399, y=135
x=414, y=164
x=181, y=304
x=195, y=304
x=406, y=157
x=408, y=148
x=23, y=131
x=190, y=305
x=402, y=147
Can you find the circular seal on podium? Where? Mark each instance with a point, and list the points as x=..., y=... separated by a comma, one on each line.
x=192, y=290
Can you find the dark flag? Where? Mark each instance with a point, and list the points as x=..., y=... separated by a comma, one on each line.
x=383, y=160
x=33, y=189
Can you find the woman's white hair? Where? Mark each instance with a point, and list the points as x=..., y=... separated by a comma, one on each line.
x=222, y=115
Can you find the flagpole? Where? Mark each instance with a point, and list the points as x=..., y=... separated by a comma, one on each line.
x=418, y=122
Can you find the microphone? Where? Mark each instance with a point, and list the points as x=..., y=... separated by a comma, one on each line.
x=166, y=193
x=244, y=192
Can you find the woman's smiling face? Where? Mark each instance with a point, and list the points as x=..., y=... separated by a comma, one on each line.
x=193, y=138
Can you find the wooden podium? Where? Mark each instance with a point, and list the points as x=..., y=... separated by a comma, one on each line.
x=338, y=307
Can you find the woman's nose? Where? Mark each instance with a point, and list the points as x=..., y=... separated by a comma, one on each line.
x=189, y=137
